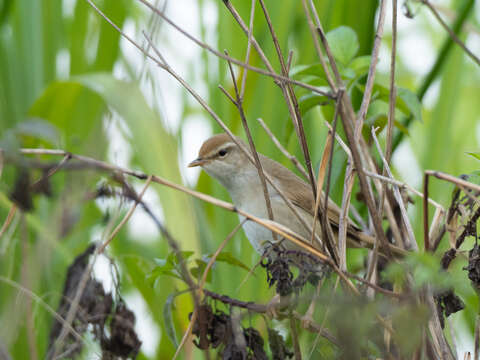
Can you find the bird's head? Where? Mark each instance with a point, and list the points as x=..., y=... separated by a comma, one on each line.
x=221, y=158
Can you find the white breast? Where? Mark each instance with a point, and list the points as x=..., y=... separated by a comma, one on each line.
x=260, y=236
x=247, y=195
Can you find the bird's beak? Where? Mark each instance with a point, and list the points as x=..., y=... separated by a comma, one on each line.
x=197, y=162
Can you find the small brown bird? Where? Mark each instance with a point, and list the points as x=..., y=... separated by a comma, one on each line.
x=222, y=159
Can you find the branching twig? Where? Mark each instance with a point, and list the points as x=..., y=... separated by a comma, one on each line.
x=451, y=32
x=126, y=217
x=72, y=311
x=270, y=73
x=372, y=70
x=249, y=47
x=323, y=39
x=261, y=174
x=450, y=178
x=47, y=307
x=292, y=102
x=363, y=181
x=284, y=151
x=398, y=196
x=317, y=47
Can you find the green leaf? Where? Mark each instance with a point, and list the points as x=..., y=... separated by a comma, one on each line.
x=310, y=69
x=158, y=271
x=344, y=44
x=307, y=102
x=377, y=116
x=173, y=258
x=408, y=102
x=198, y=270
x=360, y=64
x=228, y=258
x=168, y=318
x=77, y=112
x=476, y=155
x=154, y=148
x=474, y=177
x=39, y=129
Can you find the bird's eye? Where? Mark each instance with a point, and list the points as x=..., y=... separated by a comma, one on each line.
x=222, y=153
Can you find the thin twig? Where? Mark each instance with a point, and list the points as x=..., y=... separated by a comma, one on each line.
x=465, y=9
x=126, y=217
x=8, y=220
x=186, y=335
x=294, y=334
x=398, y=196
x=215, y=52
x=52, y=171
x=325, y=223
x=393, y=90
x=318, y=49
x=451, y=32
x=447, y=177
x=323, y=39
x=203, y=103
x=391, y=103
x=253, y=150
x=249, y=47
x=284, y=151
x=327, y=233
x=217, y=252
x=348, y=127
x=295, y=114
x=425, y=213
x=367, y=95
x=402, y=186
x=327, y=310
x=47, y=307
x=278, y=228
x=201, y=284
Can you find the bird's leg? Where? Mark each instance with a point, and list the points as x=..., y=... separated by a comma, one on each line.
x=277, y=305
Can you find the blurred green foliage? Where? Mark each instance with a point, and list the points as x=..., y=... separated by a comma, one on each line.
x=57, y=90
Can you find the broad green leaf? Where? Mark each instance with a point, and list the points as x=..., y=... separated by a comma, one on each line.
x=307, y=102
x=198, y=270
x=408, y=102
x=39, y=129
x=360, y=64
x=344, y=44
x=310, y=69
x=155, y=149
x=174, y=259
x=229, y=258
x=76, y=112
x=168, y=318
x=377, y=116
x=153, y=276
x=474, y=177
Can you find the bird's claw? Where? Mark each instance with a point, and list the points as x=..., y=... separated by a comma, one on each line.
x=277, y=307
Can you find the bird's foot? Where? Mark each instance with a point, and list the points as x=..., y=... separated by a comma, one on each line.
x=277, y=307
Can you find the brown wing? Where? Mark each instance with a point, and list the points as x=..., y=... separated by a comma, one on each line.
x=300, y=194
x=297, y=190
